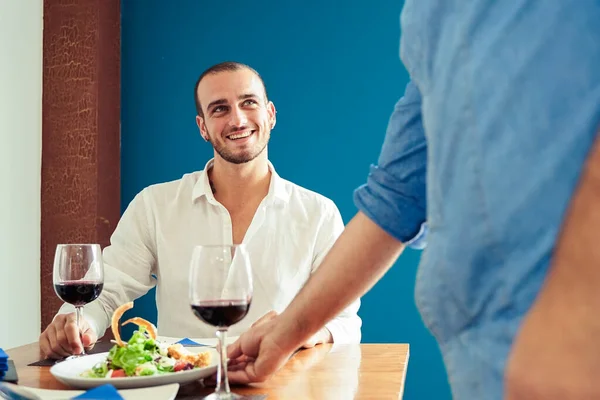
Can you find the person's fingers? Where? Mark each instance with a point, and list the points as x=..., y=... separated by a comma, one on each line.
x=49, y=353
x=46, y=347
x=258, y=355
x=234, y=350
x=247, y=373
x=249, y=342
x=55, y=347
x=61, y=340
x=88, y=337
x=239, y=366
x=71, y=334
x=239, y=360
x=270, y=359
x=243, y=375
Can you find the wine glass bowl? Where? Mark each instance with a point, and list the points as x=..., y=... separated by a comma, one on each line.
x=78, y=276
x=220, y=295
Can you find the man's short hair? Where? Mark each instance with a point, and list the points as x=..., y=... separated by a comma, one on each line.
x=227, y=66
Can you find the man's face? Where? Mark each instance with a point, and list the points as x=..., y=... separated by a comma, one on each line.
x=237, y=118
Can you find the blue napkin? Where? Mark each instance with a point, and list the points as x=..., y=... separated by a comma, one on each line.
x=3, y=362
x=107, y=392
x=190, y=343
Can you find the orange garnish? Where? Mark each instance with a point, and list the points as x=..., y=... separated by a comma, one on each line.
x=114, y=323
x=146, y=324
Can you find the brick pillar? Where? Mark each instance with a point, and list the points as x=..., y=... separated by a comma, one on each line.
x=80, y=130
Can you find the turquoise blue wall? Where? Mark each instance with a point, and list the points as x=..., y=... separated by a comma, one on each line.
x=334, y=74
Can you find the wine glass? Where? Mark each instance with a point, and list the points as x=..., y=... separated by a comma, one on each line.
x=220, y=295
x=78, y=276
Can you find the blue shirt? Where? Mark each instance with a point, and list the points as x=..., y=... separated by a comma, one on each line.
x=481, y=157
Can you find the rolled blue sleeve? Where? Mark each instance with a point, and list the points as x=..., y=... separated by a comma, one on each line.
x=394, y=196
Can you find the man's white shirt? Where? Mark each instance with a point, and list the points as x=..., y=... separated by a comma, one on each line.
x=290, y=234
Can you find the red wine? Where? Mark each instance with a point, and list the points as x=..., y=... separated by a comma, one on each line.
x=221, y=313
x=78, y=293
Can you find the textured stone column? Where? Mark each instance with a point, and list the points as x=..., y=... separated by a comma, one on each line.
x=80, y=130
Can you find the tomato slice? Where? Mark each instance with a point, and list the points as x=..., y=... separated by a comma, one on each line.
x=179, y=366
x=118, y=373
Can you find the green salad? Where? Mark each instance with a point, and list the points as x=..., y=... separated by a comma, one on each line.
x=140, y=356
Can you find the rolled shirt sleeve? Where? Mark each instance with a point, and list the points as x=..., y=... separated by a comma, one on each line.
x=394, y=196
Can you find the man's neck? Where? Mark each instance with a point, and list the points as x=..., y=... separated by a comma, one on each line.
x=234, y=185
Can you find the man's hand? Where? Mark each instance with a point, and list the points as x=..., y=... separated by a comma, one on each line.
x=271, y=315
x=61, y=338
x=322, y=336
x=256, y=355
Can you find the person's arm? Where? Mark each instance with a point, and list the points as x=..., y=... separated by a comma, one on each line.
x=556, y=354
x=359, y=258
x=344, y=328
x=392, y=211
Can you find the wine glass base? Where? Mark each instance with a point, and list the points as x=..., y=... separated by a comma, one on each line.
x=73, y=357
x=224, y=396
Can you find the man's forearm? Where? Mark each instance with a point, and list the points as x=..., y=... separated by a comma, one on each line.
x=360, y=256
x=563, y=326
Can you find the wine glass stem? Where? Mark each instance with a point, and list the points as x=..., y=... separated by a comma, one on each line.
x=79, y=315
x=222, y=381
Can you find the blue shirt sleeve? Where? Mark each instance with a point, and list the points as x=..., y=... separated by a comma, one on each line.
x=394, y=196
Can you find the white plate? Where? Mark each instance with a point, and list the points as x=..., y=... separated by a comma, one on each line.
x=166, y=392
x=68, y=372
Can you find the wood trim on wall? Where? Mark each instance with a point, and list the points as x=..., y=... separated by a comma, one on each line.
x=80, y=194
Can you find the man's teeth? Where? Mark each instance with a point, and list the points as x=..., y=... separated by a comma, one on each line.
x=240, y=135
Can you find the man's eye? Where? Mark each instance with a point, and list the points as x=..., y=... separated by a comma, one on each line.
x=218, y=109
x=249, y=102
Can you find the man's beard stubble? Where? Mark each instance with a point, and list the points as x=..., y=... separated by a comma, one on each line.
x=241, y=158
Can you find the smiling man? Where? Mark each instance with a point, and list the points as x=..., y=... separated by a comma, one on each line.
x=237, y=198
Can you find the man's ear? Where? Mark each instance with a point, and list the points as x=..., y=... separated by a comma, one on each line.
x=202, y=127
x=272, y=114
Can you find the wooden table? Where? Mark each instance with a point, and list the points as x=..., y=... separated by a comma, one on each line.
x=366, y=371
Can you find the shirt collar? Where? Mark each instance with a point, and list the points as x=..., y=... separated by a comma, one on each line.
x=278, y=190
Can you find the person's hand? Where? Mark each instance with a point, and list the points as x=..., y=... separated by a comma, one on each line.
x=322, y=336
x=61, y=338
x=258, y=353
x=265, y=318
